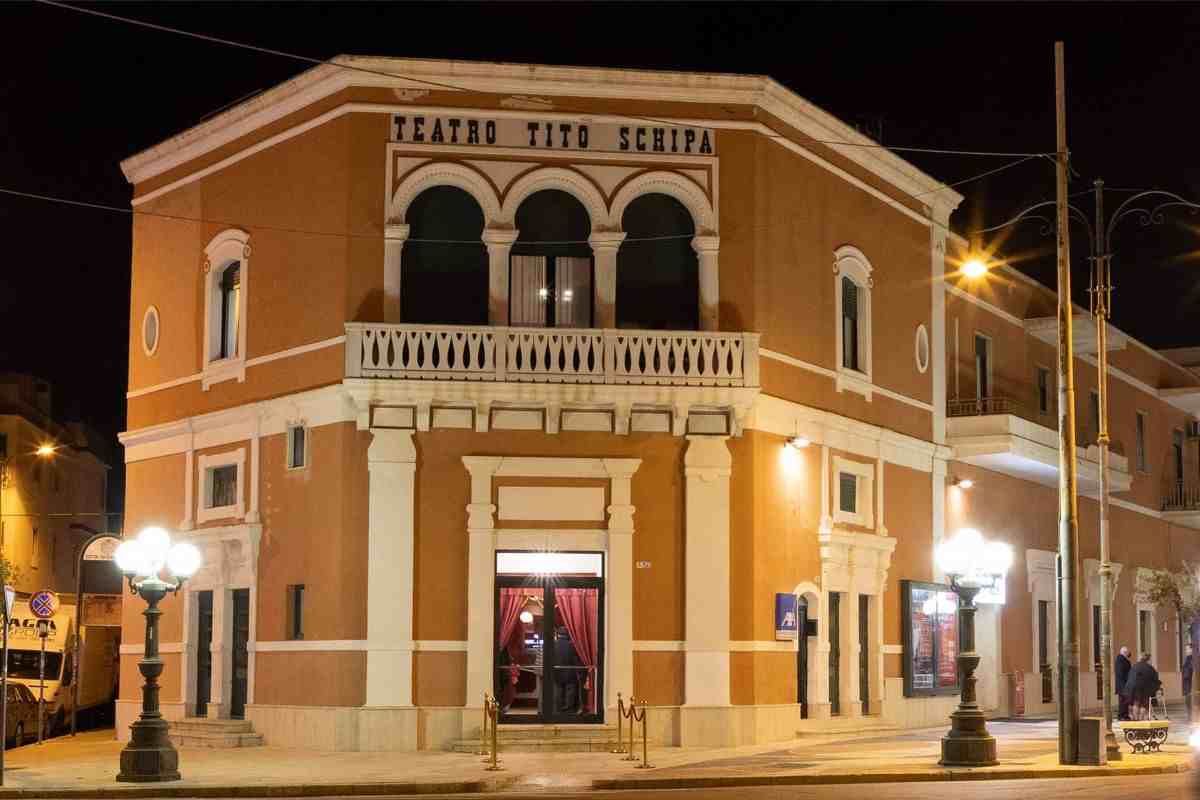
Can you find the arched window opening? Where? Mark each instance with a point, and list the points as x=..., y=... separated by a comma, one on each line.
x=231, y=285
x=658, y=274
x=444, y=264
x=550, y=268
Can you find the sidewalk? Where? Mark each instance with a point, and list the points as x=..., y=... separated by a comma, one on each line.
x=87, y=766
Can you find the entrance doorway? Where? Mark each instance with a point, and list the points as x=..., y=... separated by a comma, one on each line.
x=549, y=637
x=864, y=653
x=241, y=654
x=802, y=656
x=835, y=653
x=204, y=603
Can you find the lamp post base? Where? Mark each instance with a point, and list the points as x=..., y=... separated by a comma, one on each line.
x=968, y=744
x=149, y=757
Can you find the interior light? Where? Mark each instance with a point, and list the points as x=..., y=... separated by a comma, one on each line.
x=974, y=268
x=799, y=442
x=568, y=295
x=543, y=293
x=527, y=617
x=964, y=483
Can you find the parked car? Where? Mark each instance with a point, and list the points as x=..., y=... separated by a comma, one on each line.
x=21, y=716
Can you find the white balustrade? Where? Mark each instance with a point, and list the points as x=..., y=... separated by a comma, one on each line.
x=551, y=355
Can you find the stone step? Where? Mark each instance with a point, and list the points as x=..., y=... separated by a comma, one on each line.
x=556, y=745
x=204, y=725
x=216, y=741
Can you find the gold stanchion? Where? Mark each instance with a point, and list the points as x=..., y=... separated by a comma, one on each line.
x=630, y=715
x=494, y=714
x=483, y=732
x=620, y=748
x=645, y=747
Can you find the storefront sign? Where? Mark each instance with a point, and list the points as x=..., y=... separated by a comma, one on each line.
x=930, y=623
x=101, y=549
x=786, y=627
x=607, y=137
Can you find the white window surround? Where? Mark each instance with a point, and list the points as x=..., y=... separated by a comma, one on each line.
x=864, y=514
x=288, y=433
x=151, y=324
x=921, y=349
x=205, y=512
x=849, y=262
x=1152, y=645
x=227, y=248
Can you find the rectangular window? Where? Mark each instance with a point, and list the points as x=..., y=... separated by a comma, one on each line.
x=1140, y=435
x=848, y=492
x=983, y=367
x=850, y=359
x=223, y=483
x=297, y=443
x=1043, y=386
x=1145, y=631
x=1177, y=453
x=295, y=611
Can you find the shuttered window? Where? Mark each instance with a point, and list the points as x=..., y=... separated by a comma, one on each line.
x=848, y=493
x=850, y=330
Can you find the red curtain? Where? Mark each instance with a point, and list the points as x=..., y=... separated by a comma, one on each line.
x=512, y=632
x=578, y=610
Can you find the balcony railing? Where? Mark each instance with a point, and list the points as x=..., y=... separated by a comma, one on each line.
x=982, y=406
x=1182, y=497
x=550, y=355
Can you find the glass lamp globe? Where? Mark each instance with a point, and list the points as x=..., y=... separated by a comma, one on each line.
x=998, y=557
x=155, y=543
x=526, y=617
x=183, y=560
x=131, y=559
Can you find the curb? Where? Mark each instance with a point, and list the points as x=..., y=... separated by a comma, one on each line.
x=985, y=774
x=158, y=790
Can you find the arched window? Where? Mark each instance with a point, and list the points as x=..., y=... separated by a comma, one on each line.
x=852, y=290
x=657, y=270
x=231, y=285
x=444, y=264
x=550, y=268
x=225, y=308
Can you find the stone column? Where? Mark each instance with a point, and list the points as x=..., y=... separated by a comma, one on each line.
x=851, y=701
x=706, y=248
x=619, y=585
x=605, y=245
x=393, y=248
x=499, y=242
x=391, y=464
x=221, y=650
x=481, y=580
x=706, y=713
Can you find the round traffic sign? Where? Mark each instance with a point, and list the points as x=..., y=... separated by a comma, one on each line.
x=44, y=604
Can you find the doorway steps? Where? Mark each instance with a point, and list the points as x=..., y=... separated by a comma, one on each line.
x=546, y=739
x=214, y=733
x=837, y=726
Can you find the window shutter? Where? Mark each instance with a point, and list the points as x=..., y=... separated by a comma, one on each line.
x=849, y=299
x=848, y=493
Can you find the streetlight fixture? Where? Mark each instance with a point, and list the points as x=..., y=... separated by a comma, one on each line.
x=150, y=756
x=975, y=267
x=971, y=565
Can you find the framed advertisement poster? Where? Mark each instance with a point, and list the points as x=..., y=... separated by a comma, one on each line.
x=929, y=617
x=786, y=627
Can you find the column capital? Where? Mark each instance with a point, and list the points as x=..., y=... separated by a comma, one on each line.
x=391, y=445
x=606, y=240
x=396, y=232
x=706, y=244
x=499, y=237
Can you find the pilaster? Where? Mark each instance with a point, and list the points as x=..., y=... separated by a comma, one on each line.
x=499, y=243
x=393, y=249
x=605, y=245
x=619, y=585
x=481, y=571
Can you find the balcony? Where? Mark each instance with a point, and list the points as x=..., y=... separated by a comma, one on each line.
x=998, y=433
x=1181, y=504
x=570, y=377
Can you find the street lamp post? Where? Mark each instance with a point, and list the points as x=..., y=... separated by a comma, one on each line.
x=149, y=756
x=1148, y=208
x=971, y=565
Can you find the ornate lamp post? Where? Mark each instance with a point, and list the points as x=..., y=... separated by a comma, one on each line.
x=1148, y=208
x=971, y=564
x=150, y=756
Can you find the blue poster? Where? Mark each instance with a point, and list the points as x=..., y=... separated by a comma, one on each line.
x=786, y=624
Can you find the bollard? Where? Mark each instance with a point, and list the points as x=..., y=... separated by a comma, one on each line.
x=483, y=731
x=631, y=715
x=645, y=747
x=620, y=748
x=494, y=713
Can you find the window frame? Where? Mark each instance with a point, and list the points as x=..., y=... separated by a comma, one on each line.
x=290, y=432
x=849, y=262
x=864, y=493
x=1141, y=428
x=205, y=512
x=228, y=248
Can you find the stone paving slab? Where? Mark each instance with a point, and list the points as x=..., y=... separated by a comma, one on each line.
x=87, y=765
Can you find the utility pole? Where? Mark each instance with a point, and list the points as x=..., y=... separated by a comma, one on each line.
x=1101, y=292
x=1068, y=518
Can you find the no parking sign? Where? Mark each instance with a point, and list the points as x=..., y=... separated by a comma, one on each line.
x=44, y=604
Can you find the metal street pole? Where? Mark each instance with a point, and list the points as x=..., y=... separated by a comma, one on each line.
x=43, y=631
x=1068, y=520
x=4, y=689
x=1101, y=291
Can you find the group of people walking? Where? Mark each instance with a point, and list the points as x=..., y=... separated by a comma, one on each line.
x=1138, y=684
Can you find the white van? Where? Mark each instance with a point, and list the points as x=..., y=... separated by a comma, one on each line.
x=98, y=661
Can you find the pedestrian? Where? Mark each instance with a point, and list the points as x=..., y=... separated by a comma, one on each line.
x=1121, y=673
x=1186, y=675
x=1142, y=685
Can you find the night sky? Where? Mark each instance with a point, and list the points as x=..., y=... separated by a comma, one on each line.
x=80, y=93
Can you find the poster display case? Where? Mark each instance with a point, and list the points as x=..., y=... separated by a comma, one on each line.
x=930, y=629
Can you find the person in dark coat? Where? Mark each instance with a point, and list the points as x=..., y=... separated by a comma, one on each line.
x=1186, y=676
x=1143, y=684
x=1121, y=674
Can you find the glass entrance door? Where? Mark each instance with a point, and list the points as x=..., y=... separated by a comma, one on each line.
x=204, y=602
x=549, y=647
x=802, y=657
x=240, y=660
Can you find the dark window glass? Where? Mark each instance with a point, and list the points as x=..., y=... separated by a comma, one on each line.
x=1043, y=377
x=658, y=272
x=983, y=367
x=3, y=445
x=231, y=284
x=1177, y=452
x=850, y=358
x=24, y=664
x=224, y=486
x=848, y=493
x=299, y=441
x=1141, y=442
x=550, y=271
x=444, y=264
x=296, y=611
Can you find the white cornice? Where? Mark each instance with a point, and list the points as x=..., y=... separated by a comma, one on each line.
x=323, y=81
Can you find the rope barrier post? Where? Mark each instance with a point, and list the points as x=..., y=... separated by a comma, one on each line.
x=620, y=715
x=494, y=713
x=483, y=732
x=630, y=715
x=645, y=747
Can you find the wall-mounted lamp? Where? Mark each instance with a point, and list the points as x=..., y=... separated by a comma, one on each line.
x=799, y=442
x=964, y=483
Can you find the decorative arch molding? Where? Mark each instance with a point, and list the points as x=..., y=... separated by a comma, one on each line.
x=674, y=185
x=230, y=246
x=444, y=173
x=569, y=181
x=853, y=263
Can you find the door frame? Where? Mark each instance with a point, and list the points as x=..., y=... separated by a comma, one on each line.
x=548, y=584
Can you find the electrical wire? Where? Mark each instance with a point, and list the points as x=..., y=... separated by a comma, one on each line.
x=441, y=85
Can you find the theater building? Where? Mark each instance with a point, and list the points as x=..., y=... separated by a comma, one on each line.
x=554, y=383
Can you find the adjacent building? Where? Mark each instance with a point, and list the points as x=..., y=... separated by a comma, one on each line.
x=554, y=383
